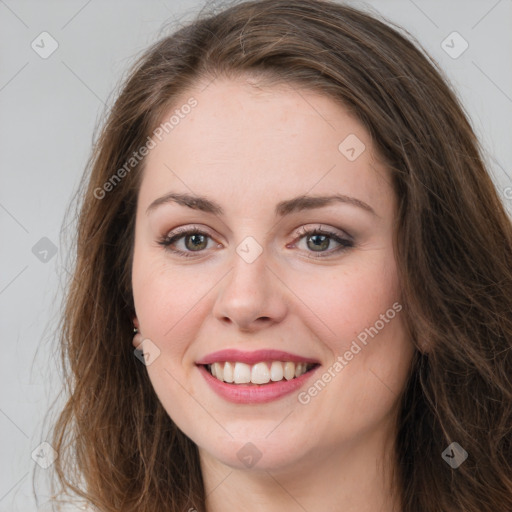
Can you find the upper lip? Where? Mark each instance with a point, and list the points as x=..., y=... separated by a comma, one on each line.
x=256, y=356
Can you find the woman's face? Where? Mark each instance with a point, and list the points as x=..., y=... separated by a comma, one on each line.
x=253, y=279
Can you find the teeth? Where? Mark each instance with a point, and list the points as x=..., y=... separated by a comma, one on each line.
x=242, y=373
x=289, y=371
x=259, y=373
x=218, y=370
x=227, y=372
x=276, y=371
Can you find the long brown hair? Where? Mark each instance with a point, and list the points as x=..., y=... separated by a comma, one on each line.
x=118, y=448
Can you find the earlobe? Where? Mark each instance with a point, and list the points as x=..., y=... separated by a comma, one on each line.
x=137, y=336
x=137, y=339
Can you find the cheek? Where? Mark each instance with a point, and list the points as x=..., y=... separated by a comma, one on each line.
x=169, y=299
x=372, y=358
x=347, y=301
x=336, y=303
x=358, y=318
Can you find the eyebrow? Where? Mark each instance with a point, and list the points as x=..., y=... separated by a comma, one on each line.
x=283, y=208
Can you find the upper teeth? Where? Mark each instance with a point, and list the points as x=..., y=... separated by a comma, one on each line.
x=259, y=373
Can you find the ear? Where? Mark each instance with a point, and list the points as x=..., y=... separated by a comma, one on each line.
x=137, y=339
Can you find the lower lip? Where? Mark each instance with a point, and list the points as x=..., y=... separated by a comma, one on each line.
x=255, y=394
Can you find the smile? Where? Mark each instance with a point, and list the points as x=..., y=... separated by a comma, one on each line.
x=255, y=377
x=259, y=373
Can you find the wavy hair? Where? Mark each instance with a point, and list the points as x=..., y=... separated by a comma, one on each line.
x=118, y=448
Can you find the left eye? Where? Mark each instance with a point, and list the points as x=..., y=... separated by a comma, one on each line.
x=319, y=238
x=196, y=241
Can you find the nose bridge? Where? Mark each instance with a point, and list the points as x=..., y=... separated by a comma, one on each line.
x=250, y=291
x=249, y=270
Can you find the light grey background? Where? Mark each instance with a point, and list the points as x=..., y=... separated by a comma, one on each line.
x=49, y=110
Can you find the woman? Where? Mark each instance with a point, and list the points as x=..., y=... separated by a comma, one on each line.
x=318, y=273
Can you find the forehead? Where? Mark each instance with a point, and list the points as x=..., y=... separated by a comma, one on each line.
x=264, y=142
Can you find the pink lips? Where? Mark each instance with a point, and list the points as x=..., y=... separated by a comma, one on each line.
x=254, y=393
x=254, y=357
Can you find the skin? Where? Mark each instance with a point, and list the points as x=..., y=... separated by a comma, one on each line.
x=247, y=147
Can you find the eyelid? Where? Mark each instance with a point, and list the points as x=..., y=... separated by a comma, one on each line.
x=308, y=228
x=187, y=229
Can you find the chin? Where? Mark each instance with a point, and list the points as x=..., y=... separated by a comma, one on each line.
x=257, y=453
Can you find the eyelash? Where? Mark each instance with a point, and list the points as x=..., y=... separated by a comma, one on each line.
x=179, y=233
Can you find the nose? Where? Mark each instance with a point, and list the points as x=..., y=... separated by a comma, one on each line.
x=252, y=296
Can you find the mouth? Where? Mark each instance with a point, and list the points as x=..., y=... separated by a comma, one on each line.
x=259, y=374
x=256, y=377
